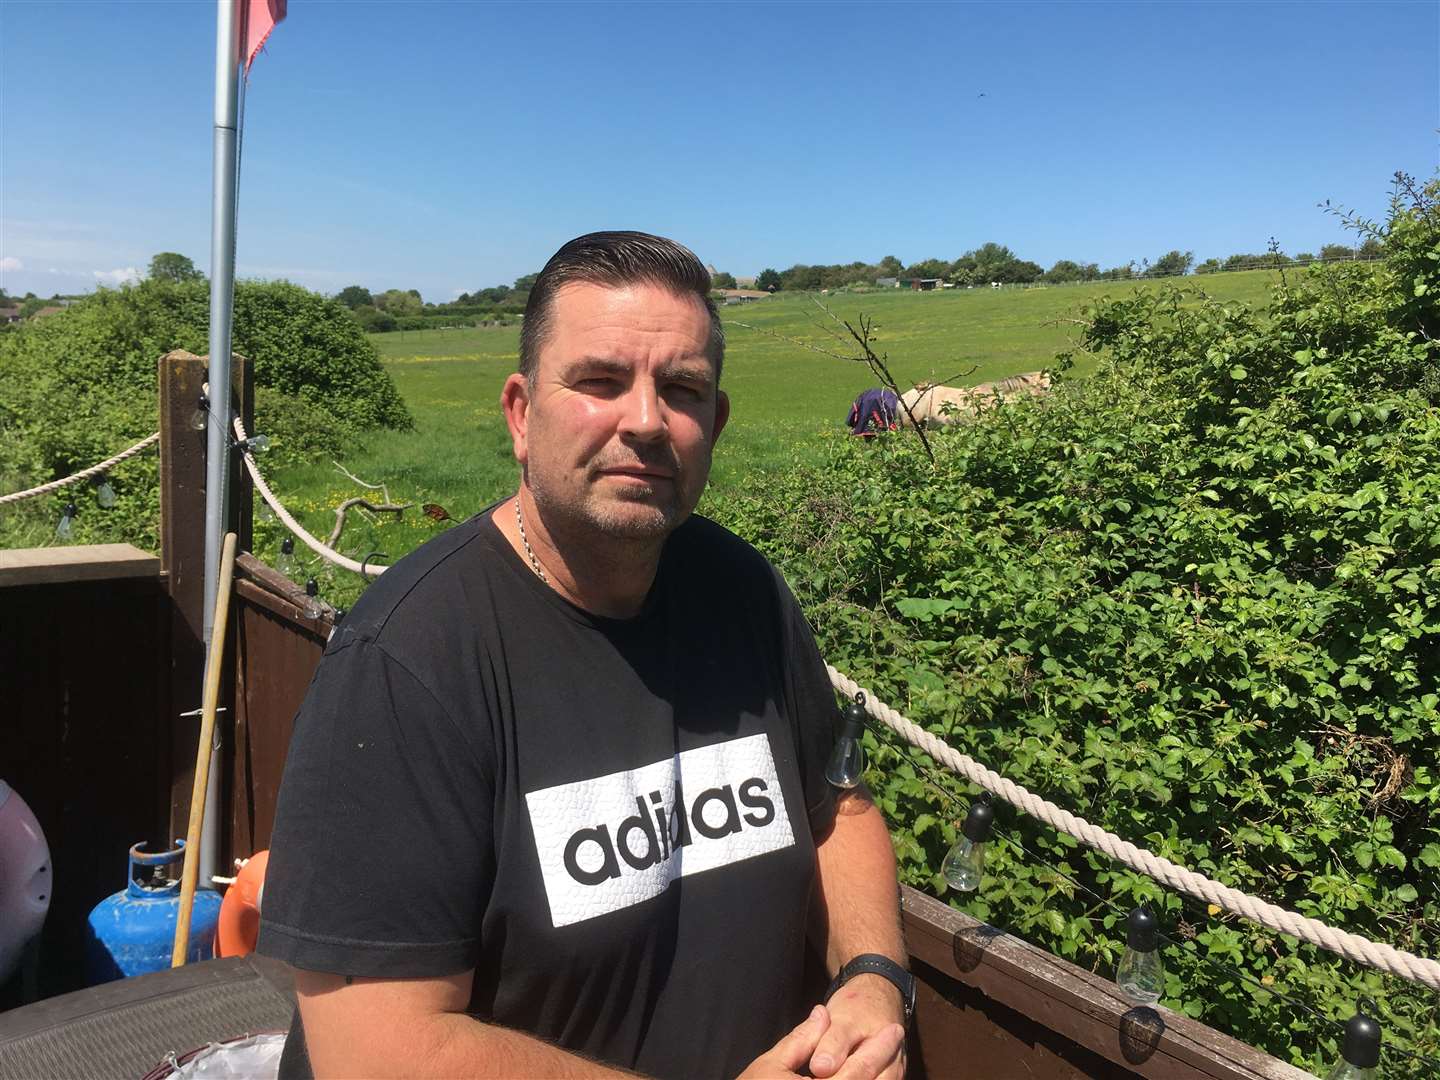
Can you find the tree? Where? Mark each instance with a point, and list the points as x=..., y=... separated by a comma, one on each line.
x=1065, y=270
x=769, y=280
x=400, y=302
x=890, y=266
x=928, y=268
x=374, y=320
x=1173, y=264
x=174, y=267
x=354, y=296
x=1337, y=251
x=722, y=280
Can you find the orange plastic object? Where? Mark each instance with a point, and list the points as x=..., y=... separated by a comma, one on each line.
x=240, y=910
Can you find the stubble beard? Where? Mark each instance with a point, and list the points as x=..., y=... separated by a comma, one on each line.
x=628, y=516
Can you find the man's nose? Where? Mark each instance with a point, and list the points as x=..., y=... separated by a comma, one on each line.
x=642, y=414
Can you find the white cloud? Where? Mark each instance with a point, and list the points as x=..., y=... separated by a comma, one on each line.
x=9, y=262
x=117, y=277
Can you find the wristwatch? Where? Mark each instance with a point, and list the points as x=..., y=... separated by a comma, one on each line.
x=875, y=964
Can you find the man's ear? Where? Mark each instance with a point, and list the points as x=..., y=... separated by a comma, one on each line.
x=722, y=415
x=515, y=404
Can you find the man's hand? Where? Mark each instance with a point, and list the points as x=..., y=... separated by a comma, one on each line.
x=865, y=1062
x=863, y=1006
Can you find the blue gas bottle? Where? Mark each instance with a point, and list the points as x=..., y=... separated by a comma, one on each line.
x=133, y=931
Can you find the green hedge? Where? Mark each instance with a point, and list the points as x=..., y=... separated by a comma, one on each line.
x=80, y=385
x=1195, y=600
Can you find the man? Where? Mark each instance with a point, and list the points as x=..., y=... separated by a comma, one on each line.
x=554, y=804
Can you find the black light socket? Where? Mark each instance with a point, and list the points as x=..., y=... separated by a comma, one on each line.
x=978, y=822
x=312, y=587
x=1361, y=1047
x=1142, y=930
x=287, y=546
x=854, y=723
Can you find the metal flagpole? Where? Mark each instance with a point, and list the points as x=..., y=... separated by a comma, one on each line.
x=228, y=33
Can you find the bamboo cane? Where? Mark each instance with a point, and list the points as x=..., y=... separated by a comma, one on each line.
x=202, y=754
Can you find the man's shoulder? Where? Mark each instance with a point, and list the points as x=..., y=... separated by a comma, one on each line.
x=424, y=588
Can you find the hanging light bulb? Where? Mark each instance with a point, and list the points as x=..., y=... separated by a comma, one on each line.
x=313, y=607
x=965, y=864
x=286, y=562
x=1360, y=1052
x=67, y=522
x=264, y=513
x=847, y=760
x=201, y=415
x=1141, y=973
x=256, y=444
x=104, y=493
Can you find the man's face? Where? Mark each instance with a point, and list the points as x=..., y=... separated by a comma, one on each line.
x=616, y=430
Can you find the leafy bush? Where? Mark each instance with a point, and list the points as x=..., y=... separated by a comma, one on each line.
x=81, y=385
x=1196, y=600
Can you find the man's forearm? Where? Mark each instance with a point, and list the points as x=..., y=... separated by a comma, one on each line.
x=424, y=1032
x=453, y=1044
x=466, y=1047
x=857, y=899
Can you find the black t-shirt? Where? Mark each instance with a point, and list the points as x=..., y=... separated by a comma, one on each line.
x=609, y=820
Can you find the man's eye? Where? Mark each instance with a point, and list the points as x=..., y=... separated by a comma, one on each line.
x=688, y=391
x=598, y=383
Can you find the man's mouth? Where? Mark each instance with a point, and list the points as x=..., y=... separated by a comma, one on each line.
x=637, y=472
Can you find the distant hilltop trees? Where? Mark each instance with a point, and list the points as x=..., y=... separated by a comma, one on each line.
x=994, y=262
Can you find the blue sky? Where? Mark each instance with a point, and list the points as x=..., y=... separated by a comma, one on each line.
x=449, y=146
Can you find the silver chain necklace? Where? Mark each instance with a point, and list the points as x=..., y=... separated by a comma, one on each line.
x=534, y=562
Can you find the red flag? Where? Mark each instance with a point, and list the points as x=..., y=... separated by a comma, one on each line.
x=260, y=19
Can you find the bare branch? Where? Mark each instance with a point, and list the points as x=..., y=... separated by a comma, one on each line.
x=373, y=487
x=364, y=504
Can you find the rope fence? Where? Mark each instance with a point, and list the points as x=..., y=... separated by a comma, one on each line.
x=85, y=474
x=1351, y=946
x=320, y=548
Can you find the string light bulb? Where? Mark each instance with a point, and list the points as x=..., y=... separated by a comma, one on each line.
x=104, y=493
x=1141, y=972
x=256, y=444
x=313, y=608
x=67, y=523
x=201, y=415
x=286, y=562
x=847, y=760
x=1360, y=1051
x=965, y=864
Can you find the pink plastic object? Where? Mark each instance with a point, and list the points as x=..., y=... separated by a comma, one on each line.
x=24, y=878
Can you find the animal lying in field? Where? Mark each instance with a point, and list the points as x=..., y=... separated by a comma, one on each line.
x=935, y=405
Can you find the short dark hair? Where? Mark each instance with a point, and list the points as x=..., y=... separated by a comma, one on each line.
x=617, y=259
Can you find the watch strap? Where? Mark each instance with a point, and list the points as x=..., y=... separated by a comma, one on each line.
x=877, y=964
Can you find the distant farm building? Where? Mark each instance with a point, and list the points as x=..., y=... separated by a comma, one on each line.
x=920, y=284
x=741, y=296
x=9, y=313
x=888, y=282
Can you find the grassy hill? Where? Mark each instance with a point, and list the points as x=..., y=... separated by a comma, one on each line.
x=786, y=398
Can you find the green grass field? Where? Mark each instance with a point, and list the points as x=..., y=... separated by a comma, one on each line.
x=785, y=397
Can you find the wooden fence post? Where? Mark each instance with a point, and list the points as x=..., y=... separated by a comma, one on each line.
x=182, y=560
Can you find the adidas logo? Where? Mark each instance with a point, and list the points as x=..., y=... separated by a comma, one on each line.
x=617, y=840
x=715, y=815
